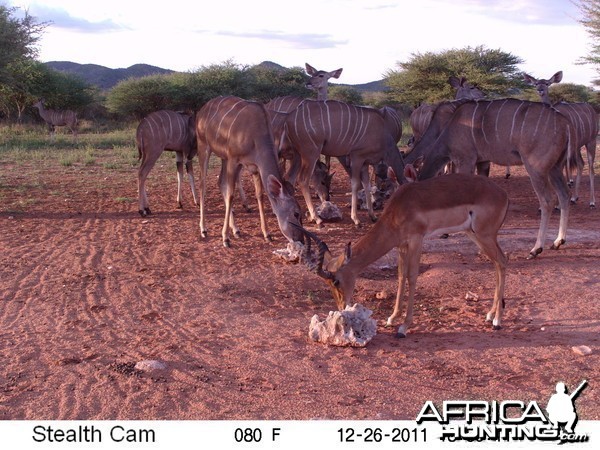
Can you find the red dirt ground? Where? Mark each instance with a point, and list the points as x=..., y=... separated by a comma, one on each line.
x=88, y=288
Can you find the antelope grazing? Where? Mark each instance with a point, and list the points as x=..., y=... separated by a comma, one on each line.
x=318, y=80
x=338, y=129
x=239, y=132
x=451, y=203
x=506, y=132
x=57, y=118
x=585, y=124
x=160, y=131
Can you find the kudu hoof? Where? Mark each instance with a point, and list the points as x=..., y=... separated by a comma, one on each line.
x=179, y=206
x=533, y=254
x=145, y=212
x=204, y=233
x=226, y=243
x=507, y=176
x=444, y=236
x=268, y=238
x=237, y=235
x=556, y=247
x=496, y=327
x=374, y=219
x=592, y=205
x=400, y=335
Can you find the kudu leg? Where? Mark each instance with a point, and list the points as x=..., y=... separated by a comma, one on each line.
x=227, y=178
x=258, y=188
x=591, y=156
x=560, y=187
x=149, y=158
x=304, y=181
x=189, y=168
x=203, y=157
x=179, y=164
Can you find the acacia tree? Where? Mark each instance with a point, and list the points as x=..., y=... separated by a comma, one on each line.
x=424, y=78
x=591, y=21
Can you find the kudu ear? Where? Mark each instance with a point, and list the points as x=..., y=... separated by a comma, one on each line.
x=454, y=82
x=529, y=79
x=310, y=69
x=274, y=187
x=410, y=173
x=557, y=77
x=335, y=73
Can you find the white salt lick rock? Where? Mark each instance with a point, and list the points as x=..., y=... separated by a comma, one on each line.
x=351, y=327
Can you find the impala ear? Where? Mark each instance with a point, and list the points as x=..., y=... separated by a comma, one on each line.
x=348, y=252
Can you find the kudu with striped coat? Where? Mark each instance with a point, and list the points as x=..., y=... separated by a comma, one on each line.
x=57, y=118
x=171, y=131
x=318, y=80
x=585, y=124
x=239, y=133
x=333, y=128
x=450, y=203
x=505, y=132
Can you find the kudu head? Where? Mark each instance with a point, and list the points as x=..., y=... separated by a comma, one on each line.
x=321, y=181
x=340, y=284
x=318, y=80
x=464, y=89
x=542, y=86
x=286, y=208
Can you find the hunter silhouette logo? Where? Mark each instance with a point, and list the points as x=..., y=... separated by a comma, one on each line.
x=508, y=420
x=561, y=407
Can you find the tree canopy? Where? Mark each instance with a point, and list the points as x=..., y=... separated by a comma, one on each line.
x=424, y=78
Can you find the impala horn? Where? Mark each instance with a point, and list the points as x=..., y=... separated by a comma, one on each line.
x=322, y=246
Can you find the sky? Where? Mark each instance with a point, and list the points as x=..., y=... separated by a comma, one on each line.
x=366, y=38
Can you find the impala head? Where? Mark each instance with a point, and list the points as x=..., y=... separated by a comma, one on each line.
x=286, y=208
x=340, y=283
x=318, y=78
x=542, y=86
x=464, y=89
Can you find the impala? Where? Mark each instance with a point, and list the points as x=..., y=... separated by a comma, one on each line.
x=585, y=124
x=239, y=133
x=451, y=203
x=160, y=131
x=57, y=118
x=506, y=132
x=332, y=128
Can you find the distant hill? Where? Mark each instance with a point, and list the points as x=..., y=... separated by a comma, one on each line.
x=104, y=77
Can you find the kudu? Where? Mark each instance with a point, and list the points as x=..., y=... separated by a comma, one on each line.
x=585, y=125
x=318, y=80
x=420, y=118
x=506, y=132
x=57, y=118
x=239, y=133
x=338, y=129
x=160, y=131
x=451, y=203
x=278, y=109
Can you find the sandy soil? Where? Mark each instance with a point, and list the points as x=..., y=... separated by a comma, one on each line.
x=88, y=288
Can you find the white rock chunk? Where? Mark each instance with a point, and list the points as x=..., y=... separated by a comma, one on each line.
x=351, y=327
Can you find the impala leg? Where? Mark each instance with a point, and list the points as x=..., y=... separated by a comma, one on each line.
x=258, y=188
x=179, y=164
x=402, y=276
x=488, y=244
x=412, y=272
x=189, y=168
x=149, y=158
